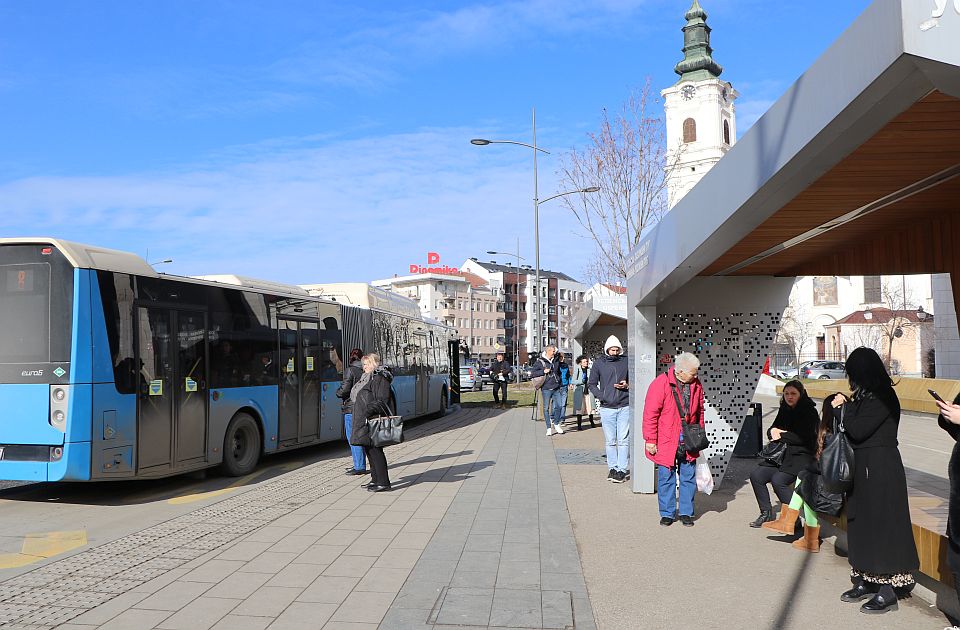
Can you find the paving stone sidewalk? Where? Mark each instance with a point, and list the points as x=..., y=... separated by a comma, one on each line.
x=313, y=549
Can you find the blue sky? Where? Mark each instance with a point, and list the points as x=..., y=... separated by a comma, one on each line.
x=312, y=141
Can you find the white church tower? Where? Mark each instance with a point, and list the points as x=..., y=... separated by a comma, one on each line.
x=701, y=120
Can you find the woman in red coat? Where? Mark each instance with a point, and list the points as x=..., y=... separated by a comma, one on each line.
x=670, y=397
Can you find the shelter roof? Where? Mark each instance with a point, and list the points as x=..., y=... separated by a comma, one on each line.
x=855, y=170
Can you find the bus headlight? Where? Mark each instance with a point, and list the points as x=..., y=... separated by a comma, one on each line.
x=56, y=452
x=59, y=404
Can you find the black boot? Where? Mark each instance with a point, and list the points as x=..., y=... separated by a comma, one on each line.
x=862, y=590
x=765, y=517
x=579, y=422
x=884, y=600
x=592, y=425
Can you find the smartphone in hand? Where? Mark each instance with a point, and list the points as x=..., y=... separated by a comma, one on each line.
x=936, y=396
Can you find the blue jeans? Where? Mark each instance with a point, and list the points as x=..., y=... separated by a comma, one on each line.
x=560, y=405
x=667, y=489
x=359, y=459
x=548, y=398
x=616, y=433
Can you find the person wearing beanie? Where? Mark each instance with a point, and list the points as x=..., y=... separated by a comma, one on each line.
x=609, y=382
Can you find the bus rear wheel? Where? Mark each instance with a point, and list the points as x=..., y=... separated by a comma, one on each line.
x=241, y=446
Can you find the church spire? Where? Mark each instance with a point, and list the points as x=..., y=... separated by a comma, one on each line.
x=697, y=63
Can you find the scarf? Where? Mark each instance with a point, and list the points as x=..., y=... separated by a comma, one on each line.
x=355, y=390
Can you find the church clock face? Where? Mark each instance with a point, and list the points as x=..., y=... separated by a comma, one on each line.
x=688, y=92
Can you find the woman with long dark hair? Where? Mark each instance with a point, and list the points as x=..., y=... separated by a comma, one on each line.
x=881, y=549
x=795, y=426
x=352, y=374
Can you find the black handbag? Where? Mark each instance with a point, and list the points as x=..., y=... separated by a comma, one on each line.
x=773, y=453
x=816, y=495
x=836, y=460
x=694, y=436
x=386, y=429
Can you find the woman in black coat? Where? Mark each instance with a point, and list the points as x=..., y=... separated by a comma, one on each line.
x=796, y=426
x=371, y=399
x=351, y=375
x=881, y=549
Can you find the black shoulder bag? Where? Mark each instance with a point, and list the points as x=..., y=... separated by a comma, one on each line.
x=694, y=435
x=836, y=460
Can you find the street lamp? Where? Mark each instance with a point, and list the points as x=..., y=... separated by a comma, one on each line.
x=482, y=142
x=162, y=262
x=516, y=329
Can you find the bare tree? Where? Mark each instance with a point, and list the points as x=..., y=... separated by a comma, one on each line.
x=627, y=159
x=797, y=329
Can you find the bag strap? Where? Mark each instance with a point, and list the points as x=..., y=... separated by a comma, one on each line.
x=683, y=414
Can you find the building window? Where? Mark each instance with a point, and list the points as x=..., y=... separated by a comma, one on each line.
x=726, y=132
x=689, y=130
x=872, y=290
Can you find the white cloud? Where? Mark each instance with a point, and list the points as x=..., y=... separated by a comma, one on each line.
x=300, y=210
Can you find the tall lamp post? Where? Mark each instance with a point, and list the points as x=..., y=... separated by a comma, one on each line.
x=536, y=204
x=516, y=328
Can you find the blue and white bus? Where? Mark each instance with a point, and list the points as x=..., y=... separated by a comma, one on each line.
x=110, y=370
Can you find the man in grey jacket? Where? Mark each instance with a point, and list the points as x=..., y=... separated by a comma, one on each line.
x=609, y=382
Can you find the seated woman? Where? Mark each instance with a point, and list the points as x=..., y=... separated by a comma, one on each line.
x=795, y=426
x=807, y=479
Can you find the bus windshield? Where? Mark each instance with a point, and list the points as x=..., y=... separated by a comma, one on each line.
x=36, y=295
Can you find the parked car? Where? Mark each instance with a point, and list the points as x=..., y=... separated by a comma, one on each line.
x=470, y=379
x=526, y=372
x=824, y=370
x=485, y=374
x=787, y=372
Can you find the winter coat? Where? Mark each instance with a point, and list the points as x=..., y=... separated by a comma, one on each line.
x=500, y=367
x=547, y=368
x=879, y=533
x=953, y=516
x=582, y=400
x=800, y=426
x=608, y=371
x=373, y=401
x=661, y=418
x=350, y=377
x=565, y=373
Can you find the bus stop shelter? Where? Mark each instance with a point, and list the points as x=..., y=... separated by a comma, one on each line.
x=855, y=170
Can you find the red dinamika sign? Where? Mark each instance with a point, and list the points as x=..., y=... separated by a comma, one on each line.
x=433, y=258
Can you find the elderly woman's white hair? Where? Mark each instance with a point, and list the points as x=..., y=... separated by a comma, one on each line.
x=686, y=361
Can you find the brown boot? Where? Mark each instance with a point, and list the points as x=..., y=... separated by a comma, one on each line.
x=810, y=541
x=786, y=523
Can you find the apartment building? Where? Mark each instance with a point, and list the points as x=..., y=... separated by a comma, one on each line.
x=525, y=330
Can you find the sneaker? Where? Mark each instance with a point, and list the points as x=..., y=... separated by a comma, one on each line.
x=612, y=475
x=687, y=521
x=666, y=521
x=549, y=431
x=620, y=478
x=559, y=428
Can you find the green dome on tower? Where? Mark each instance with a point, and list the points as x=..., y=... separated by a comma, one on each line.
x=697, y=63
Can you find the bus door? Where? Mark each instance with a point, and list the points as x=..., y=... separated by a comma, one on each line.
x=420, y=346
x=172, y=402
x=299, y=381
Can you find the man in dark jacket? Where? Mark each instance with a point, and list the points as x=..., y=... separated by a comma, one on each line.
x=546, y=367
x=609, y=382
x=499, y=373
x=350, y=377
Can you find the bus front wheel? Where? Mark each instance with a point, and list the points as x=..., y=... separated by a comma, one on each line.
x=241, y=446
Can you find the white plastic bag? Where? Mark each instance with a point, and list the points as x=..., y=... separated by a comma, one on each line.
x=704, y=476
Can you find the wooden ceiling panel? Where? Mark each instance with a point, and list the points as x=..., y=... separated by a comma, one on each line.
x=920, y=142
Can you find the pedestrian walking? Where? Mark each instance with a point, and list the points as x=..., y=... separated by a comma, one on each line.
x=880, y=545
x=560, y=398
x=582, y=400
x=796, y=427
x=673, y=398
x=545, y=368
x=371, y=399
x=351, y=375
x=499, y=374
x=949, y=421
x=609, y=382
